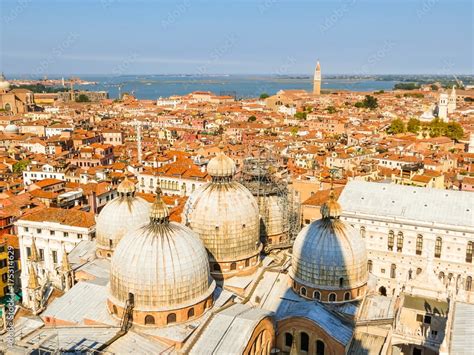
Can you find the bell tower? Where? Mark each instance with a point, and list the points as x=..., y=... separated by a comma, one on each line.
x=317, y=80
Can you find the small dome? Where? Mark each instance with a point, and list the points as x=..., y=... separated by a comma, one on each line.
x=119, y=216
x=163, y=264
x=11, y=128
x=221, y=165
x=4, y=84
x=329, y=254
x=126, y=187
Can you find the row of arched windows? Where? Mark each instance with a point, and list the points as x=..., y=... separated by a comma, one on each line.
x=332, y=297
x=170, y=318
x=467, y=283
x=304, y=343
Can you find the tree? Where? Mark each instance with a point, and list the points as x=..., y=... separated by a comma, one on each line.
x=301, y=115
x=252, y=119
x=454, y=131
x=19, y=166
x=331, y=109
x=369, y=102
x=413, y=125
x=82, y=98
x=397, y=126
x=264, y=95
x=437, y=128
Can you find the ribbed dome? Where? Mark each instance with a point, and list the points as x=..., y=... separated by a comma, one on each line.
x=225, y=215
x=4, y=84
x=11, y=128
x=221, y=166
x=119, y=216
x=329, y=250
x=274, y=214
x=164, y=265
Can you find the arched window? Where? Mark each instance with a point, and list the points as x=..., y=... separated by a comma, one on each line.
x=362, y=232
x=190, y=312
x=319, y=347
x=216, y=267
x=317, y=295
x=303, y=291
x=304, y=339
x=149, y=320
x=114, y=309
x=441, y=276
x=233, y=266
x=8, y=107
x=419, y=244
x=332, y=297
x=288, y=339
x=400, y=242
x=247, y=262
x=418, y=270
x=383, y=291
x=393, y=271
x=370, y=265
x=341, y=282
x=469, y=283
x=390, y=240
x=469, y=252
x=171, y=318
x=438, y=246
x=347, y=296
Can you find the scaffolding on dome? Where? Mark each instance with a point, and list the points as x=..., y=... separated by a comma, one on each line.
x=279, y=210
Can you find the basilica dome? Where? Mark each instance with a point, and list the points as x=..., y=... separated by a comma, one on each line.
x=164, y=266
x=329, y=261
x=4, y=84
x=11, y=128
x=119, y=216
x=225, y=216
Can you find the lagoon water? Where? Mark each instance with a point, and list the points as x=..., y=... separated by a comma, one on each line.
x=241, y=86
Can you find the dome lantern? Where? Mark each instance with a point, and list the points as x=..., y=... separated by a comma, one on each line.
x=126, y=188
x=159, y=213
x=331, y=208
x=221, y=168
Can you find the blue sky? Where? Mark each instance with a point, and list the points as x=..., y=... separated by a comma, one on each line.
x=236, y=37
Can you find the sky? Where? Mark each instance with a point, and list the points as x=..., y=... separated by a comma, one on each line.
x=284, y=37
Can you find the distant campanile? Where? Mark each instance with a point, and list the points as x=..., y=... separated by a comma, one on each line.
x=317, y=80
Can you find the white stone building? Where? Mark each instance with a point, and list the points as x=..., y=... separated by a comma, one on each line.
x=47, y=234
x=404, y=226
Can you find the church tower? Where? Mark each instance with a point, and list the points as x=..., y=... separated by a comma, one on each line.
x=443, y=107
x=452, y=101
x=317, y=80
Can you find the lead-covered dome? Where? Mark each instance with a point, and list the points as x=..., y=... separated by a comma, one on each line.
x=119, y=216
x=225, y=216
x=164, y=266
x=4, y=84
x=329, y=261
